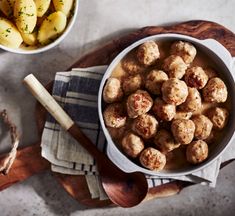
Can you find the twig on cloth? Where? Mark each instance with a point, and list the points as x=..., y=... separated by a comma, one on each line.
x=15, y=137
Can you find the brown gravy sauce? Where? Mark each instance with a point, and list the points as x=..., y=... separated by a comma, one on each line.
x=176, y=159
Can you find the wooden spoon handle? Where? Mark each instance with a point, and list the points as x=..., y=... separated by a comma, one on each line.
x=27, y=163
x=43, y=96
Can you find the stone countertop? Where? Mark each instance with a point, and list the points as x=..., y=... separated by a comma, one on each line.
x=97, y=23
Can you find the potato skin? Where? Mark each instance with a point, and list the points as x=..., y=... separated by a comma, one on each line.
x=64, y=6
x=9, y=34
x=42, y=6
x=51, y=27
x=25, y=14
x=30, y=39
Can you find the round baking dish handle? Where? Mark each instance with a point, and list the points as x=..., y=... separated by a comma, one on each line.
x=220, y=50
x=119, y=159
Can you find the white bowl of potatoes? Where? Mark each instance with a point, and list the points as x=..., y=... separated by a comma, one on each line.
x=165, y=105
x=35, y=26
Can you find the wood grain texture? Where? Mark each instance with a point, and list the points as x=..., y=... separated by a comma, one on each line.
x=27, y=163
x=76, y=185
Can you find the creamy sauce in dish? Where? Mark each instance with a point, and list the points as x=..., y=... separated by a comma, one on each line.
x=176, y=159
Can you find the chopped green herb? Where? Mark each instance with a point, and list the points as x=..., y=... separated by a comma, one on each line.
x=26, y=28
x=8, y=30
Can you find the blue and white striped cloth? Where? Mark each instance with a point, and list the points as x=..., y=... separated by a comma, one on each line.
x=77, y=92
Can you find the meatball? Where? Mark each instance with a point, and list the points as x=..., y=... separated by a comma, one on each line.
x=185, y=50
x=197, y=152
x=210, y=73
x=131, y=65
x=174, y=66
x=154, y=81
x=114, y=115
x=174, y=91
x=138, y=103
x=163, y=110
x=165, y=141
x=148, y=53
x=183, y=115
x=132, y=83
x=193, y=101
x=218, y=117
x=112, y=90
x=145, y=126
x=203, y=126
x=183, y=130
x=196, y=77
x=132, y=145
x=215, y=91
x=152, y=159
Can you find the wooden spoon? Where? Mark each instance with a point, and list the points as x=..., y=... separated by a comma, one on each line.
x=123, y=189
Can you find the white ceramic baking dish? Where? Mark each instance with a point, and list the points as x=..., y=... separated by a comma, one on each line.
x=225, y=63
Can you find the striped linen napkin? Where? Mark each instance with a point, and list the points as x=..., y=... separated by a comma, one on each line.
x=77, y=92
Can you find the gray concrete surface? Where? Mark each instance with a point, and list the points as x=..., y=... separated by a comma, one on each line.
x=99, y=21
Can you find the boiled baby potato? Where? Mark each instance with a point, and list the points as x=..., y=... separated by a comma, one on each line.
x=25, y=14
x=63, y=5
x=6, y=6
x=9, y=34
x=51, y=27
x=42, y=6
x=30, y=39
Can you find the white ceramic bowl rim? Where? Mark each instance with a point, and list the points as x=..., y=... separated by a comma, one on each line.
x=51, y=45
x=219, y=52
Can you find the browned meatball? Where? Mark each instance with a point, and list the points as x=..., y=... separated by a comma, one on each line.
x=183, y=115
x=112, y=90
x=193, y=101
x=196, y=77
x=203, y=126
x=197, y=152
x=174, y=66
x=215, y=91
x=138, y=103
x=132, y=83
x=154, y=81
x=174, y=91
x=148, y=53
x=114, y=115
x=218, y=117
x=163, y=110
x=132, y=145
x=131, y=65
x=184, y=49
x=183, y=130
x=165, y=141
x=145, y=125
x=152, y=159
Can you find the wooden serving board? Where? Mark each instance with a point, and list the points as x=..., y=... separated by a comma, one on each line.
x=29, y=160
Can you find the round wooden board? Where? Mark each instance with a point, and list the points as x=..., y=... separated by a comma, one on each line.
x=76, y=186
